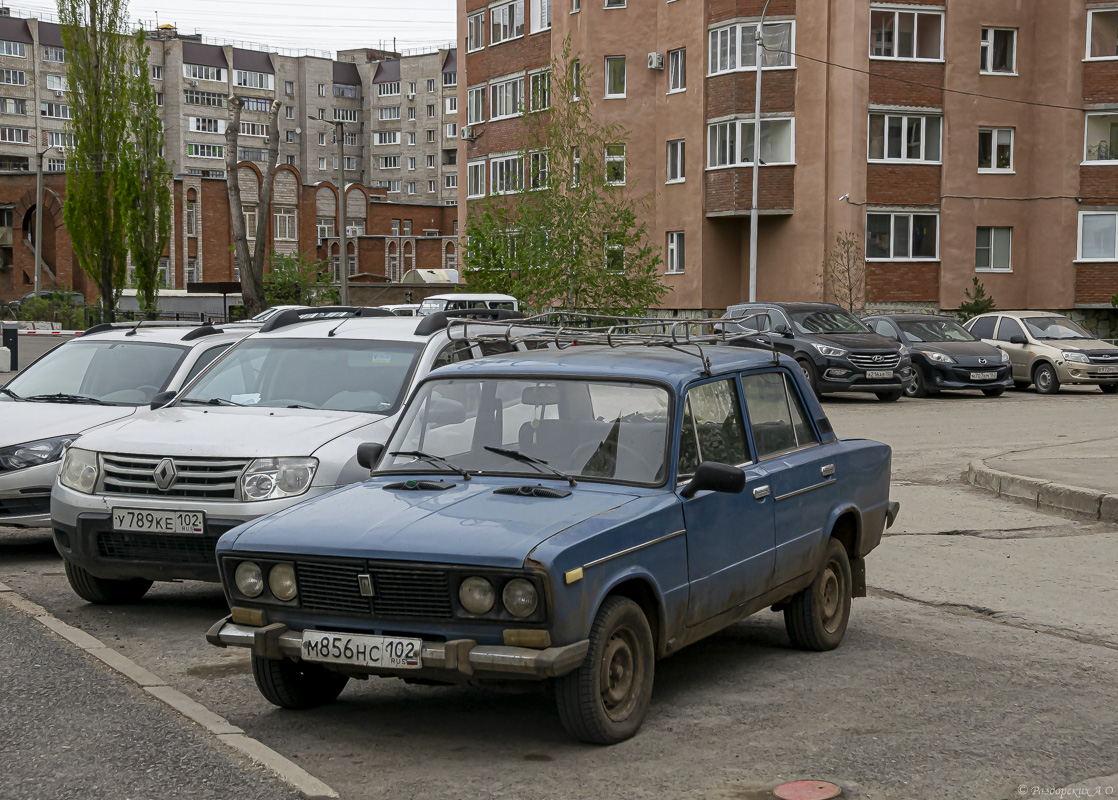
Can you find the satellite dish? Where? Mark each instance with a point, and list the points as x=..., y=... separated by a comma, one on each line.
x=298, y=130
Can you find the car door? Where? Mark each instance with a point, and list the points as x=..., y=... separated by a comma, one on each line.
x=1019, y=354
x=799, y=470
x=730, y=537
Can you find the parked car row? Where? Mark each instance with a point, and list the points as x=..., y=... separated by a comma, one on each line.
x=450, y=499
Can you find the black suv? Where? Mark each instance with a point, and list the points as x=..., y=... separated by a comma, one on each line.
x=835, y=349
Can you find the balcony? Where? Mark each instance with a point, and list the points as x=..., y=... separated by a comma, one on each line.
x=729, y=191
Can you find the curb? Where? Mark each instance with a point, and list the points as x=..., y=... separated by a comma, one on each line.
x=1048, y=495
x=154, y=686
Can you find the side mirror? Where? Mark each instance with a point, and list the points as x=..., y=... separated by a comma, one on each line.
x=783, y=330
x=368, y=454
x=1018, y=339
x=714, y=477
x=162, y=399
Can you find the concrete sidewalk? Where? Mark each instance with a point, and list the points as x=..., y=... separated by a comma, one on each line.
x=1077, y=477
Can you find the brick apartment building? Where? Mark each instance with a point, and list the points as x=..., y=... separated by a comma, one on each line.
x=858, y=134
x=399, y=116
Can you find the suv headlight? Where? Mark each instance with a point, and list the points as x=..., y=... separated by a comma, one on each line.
x=272, y=478
x=32, y=454
x=940, y=357
x=1075, y=355
x=79, y=470
x=827, y=350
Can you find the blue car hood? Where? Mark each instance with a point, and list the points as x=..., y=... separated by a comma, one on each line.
x=466, y=524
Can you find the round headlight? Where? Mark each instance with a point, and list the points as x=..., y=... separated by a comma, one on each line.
x=520, y=598
x=476, y=595
x=281, y=580
x=250, y=582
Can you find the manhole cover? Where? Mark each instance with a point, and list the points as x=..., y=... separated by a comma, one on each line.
x=807, y=790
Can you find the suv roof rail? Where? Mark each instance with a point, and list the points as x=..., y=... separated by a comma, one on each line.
x=295, y=315
x=206, y=329
x=101, y=327
x=441, y=319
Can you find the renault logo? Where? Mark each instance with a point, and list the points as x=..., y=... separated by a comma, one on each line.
x=164, y=474
x=365, y=584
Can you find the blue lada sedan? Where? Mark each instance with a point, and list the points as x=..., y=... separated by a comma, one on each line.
x=569, y=515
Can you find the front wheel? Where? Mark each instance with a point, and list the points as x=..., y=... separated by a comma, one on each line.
x=916, y=387
x=1045, y=379
x=1108, y=388
x=104, y=591
x=811, y=374
x=816, y=617
x=998, y=392
x=889, y=397
x=605, y=700
x=297, y=686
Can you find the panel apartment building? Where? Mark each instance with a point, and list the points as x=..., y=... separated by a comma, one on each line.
x=955, y=139
x=399, y=117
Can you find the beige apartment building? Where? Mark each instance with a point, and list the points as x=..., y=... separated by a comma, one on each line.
x=954, y=139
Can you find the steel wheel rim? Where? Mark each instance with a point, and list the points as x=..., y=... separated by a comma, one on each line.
x=1043, y=379
x=619, y=666
x=831, y=596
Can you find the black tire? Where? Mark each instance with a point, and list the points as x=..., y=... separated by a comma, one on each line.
x=816, y=617
x=811, y=374
x=104, y=591
x=998, y=392
x=1109, y=388
x=1045, y=379
x=620, y=645
x=916, y=387
x=296, y=685
x=890, y=397
x=1021, y=385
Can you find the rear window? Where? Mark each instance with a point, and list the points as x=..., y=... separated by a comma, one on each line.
x=983, y=327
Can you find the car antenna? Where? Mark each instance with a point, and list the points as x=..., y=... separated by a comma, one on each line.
x=134, y=327
x=343, y=322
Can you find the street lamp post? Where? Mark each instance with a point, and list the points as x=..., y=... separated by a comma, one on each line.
x=757, y=37
x=39, y=222
x=343, y=256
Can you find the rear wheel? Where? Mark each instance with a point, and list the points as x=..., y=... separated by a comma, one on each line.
x=889, y=397
x=297, y=686
x=916, y=387
x=1045, y=379
x=998, y=392
x=809, y=371
x=816, y=617
x=1108, y=388
x=104, y=591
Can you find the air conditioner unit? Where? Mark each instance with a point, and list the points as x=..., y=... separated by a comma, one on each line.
x=352, y=231
x=655, y=60
x=194, y=83
x=59, y=93
x=467, y=133
x=267, y=139
x=411, y=95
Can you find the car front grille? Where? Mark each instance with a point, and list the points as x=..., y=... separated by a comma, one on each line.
x=1105, y=359
x=157, y=547
x=399, y=592
x=22, y=506
x=197, y=478
x=878, y=361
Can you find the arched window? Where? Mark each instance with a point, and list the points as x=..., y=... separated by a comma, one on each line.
x=450, y=257
x=392, y=267
x=409, y=256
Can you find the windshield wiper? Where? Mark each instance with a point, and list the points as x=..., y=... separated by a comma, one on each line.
x=419, y=454
x=508, y=452
x=66, y=398
x=10, y=393
x=213, y=401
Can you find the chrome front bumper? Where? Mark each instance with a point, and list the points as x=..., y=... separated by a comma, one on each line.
x=455, y=660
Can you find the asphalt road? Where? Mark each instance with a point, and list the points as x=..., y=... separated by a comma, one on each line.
x=985, y=659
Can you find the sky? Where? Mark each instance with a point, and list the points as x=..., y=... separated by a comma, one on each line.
x=298, y=24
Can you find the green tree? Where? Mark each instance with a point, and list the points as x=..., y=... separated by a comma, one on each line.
x=146, y=185
x=99, y=57
x=298, y=280
x=573, y=234
x=977, y=302
x=843, y=278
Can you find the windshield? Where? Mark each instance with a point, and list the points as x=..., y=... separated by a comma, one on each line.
x=125, y=373
x=336, y=374
x=828, y=321
x=595, y=430
x=431, y=306
x=1055, y=328
x=940, y=330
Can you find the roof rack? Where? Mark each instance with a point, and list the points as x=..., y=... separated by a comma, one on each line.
x=567, y=329
x=292, y=316
x=441, y=319
x=101, y=327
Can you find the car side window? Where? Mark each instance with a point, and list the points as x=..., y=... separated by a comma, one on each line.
x=776, y=414
x=712, y=427
x=452, y=354
x=885, y=328
x=204, y=361
x=1008, y=328
x=983, y=328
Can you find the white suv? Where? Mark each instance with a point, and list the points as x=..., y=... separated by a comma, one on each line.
x=108, y=373
x=275, y=422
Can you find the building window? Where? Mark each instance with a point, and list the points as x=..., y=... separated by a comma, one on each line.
x=895, y=137
x=475, y=179
x=191, y=218
x=191, y=272
x=475, y=105
x=450, y=79
x=411, y=138
x=54, y=110
x=615, y=76
x=999, y=51
x=505, y=98
x=475, y=32
x=539, y=90
x=451, y=105
x=258, y=154
x=58, y=83
x=256, y=104
x=55, y=165
x=508, y=174
x=10, y=105
x=322, y=162
x=430, y=136
x=192, y=97
x=677, y=70
x=615, y=4
x=431, y=161
x=676, y=252
x=389, y=162
x=411, y=187
x=58, y=139
x=676, y=152
x=541, y=15
x=159, y=98
x=387, y=112
x=452, y=130
x=902, y=236
x=734, y=47
x=386, y=137
x=992, y=250
x=449, y=181
x=1101, y=141
x=247, y=128
x=205, y=150
x=615, y=164
x=285, y=224
x=199, y=72
x=322, y=113
x=777, y=143
x=1102, y=33
x=411, y=163
x=506, y=22
x=908, y=35
x=393, y=186
x=350, y=114
x=411, y=112
x=430, y=110
x=290, y=161
x=57, y=55
x=253, y=80
x=289, y=87
x=14, y=49
x=289, y=112
x=388, y=89
x=576, y=6
x=576, y=76
x=349, y=163
x=614, y=255
x=15, y=164
x=345, y=90
x=322, y=90
x=1098, y=231
x=995, y=149
x=289, y=136
x=537, y=170
x=16, y=77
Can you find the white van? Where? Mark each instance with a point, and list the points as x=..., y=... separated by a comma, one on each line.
x=461, y=301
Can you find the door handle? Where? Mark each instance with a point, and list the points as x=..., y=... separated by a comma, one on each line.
x=828, y=469
x=761, y=492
